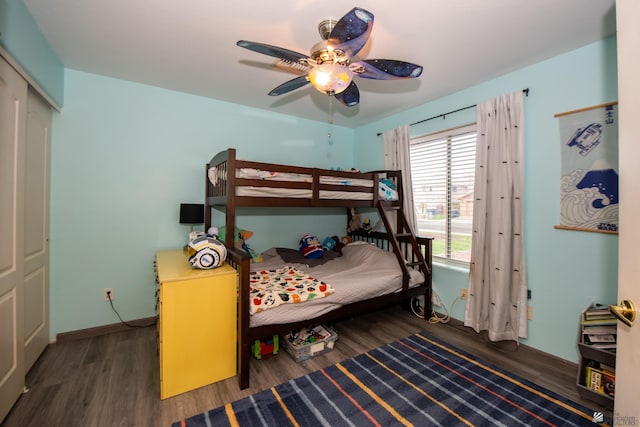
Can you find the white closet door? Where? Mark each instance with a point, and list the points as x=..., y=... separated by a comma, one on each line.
x=36, y=228
x=13, y=110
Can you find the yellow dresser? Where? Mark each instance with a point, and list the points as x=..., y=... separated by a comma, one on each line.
x=196, y=325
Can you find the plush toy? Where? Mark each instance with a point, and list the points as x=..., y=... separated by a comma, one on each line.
x=310, y=246
x=333, y=243
x=240, y=241
x=213, y=232
x=346, y=240
x=240, y=236
x=366, y=225
x=255, y=256
x=355, y=222
x=329, y=243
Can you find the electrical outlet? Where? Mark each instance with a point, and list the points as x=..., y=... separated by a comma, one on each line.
x=529, y=312
x=463, y=293
x=108, y=294
x=435, y=299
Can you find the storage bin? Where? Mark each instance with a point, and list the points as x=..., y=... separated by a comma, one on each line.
x=310, y=342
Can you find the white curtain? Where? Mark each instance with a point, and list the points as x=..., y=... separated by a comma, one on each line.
x=497, y=300
x=396, y=157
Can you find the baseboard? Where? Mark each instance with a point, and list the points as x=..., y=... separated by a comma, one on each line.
x=505, y=345
x=104, y=329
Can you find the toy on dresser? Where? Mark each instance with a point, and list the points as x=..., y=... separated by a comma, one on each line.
x=205, y=250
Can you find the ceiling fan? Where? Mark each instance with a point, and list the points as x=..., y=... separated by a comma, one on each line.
x=330, y=67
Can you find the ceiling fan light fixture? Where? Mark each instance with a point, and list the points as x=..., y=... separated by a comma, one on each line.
x=330, y=78
x=328, y=67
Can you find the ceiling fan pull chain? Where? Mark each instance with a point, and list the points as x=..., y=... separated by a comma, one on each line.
x=330, y=121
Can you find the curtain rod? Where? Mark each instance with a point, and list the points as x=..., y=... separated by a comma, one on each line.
x=443, y=115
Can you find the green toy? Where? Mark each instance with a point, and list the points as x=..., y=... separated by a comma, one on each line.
x=240, y=242
x=263, y=349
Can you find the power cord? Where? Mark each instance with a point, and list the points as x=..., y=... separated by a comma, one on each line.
x=123, y=321
x=418, y=309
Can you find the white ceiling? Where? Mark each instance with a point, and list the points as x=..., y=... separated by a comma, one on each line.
x=190, y=45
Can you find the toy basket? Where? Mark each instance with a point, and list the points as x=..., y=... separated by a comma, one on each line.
x=310, y=342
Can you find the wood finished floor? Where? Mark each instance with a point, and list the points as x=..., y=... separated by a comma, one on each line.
x=113, y=380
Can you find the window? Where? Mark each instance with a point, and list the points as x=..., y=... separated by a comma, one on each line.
x=442, y=172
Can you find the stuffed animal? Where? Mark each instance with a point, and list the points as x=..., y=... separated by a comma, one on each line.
x=253, y=254
x=329, y=243
x=240, y=241
x=366, y=225
x=333, y=243
x=240, y=236
x=355, y=222
x=310, y=246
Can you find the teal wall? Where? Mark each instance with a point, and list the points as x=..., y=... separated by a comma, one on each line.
x=125, y=156
x=21, y=37
x=567, y=270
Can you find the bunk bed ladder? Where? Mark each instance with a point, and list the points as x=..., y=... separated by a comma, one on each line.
x=403, y=233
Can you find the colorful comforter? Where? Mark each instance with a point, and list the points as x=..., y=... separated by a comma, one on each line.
x=362, y=272
x=286, y=285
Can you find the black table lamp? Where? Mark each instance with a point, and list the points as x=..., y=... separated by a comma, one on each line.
x=191, y=213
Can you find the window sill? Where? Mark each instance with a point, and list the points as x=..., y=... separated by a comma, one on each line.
x=452, y=266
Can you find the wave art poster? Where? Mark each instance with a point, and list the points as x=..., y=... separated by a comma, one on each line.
x=589, y=176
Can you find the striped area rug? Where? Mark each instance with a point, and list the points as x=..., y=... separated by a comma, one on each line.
x=416, y=381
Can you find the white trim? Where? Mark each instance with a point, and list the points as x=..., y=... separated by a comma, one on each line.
x=7, y=57
x=443, y=134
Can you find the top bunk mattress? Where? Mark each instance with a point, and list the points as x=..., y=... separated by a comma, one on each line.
x=363, y=271
x=386, y=190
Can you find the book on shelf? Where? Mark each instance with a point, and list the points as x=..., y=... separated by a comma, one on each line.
x=597, y=314
x=606, y=367
x=600, y=341
x=600, y=329
x=597, y=311
x=599, y=338
x=600, y=380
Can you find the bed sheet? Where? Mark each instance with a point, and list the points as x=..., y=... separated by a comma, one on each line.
x=298, y=193
x=249, y=173
x=363, y=271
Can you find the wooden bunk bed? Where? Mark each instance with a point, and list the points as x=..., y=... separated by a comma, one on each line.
x=232, y=183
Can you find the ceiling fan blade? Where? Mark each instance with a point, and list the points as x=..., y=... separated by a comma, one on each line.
x=352, y=31
x=289, y=86
x=386, y=69
x=293, y=67
x=350, y=96
x=275, y=51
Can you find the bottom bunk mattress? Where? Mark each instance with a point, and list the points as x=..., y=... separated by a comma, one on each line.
x=362, y=272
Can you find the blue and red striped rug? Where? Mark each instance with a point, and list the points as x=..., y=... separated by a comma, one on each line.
x=416, y=381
